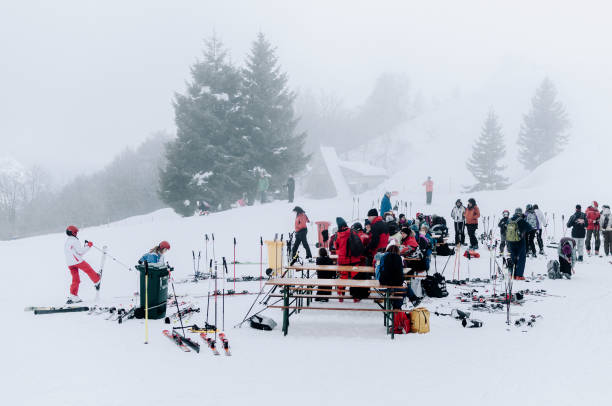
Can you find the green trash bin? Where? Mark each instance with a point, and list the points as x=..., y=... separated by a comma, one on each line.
x=158, y=290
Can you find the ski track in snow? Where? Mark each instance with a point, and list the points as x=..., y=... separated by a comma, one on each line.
x=328, y=357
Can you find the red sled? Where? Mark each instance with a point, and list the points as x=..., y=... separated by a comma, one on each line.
x=471, y=254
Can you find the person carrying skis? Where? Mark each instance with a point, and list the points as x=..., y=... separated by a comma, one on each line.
x=516, y=232
x=458, y=216
x=567, y=255
x=379, y=235
x=155, y=256
x=74, y=259
x=503, y=225
x=542, y=224
x=385, y=204
x=593, y=215
x=532, y=219
x=472, y=214
x=578, y=222
x=605, y=223
x=301, y=231
x=428, y=189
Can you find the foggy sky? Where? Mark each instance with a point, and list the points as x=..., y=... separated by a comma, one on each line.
x=81, y=80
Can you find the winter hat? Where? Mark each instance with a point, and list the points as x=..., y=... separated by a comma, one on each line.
x=373, y=212
x=458, y=201
x=366, y=222
x=567, y=250
x=357, y=226
x=578, y=207
x=518, y=210
x=406, y=230
x=341, y=223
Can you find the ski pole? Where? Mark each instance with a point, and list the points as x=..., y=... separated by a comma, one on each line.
x=113, y=258
x=208, y=300
x=260, y=261
x=234, y=263
x=223, y=297
x=176, y=300
x=101, y=271
x=215, y=292
x=146, y=264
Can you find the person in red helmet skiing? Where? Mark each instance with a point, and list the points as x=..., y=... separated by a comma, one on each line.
x=74, y=259
x=155, y=256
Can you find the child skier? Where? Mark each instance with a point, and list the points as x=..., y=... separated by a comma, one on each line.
x=503, y=225
x=74, y=259
x=155, y=256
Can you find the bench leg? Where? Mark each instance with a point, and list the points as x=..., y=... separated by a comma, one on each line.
x=286, y=310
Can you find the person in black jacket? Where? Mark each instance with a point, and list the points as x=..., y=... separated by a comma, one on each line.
x=503, y=225
x=578, y=223
x=518, y=249
x=324, y=259
x=392, y=274
x=290, y=188
x=379, y=234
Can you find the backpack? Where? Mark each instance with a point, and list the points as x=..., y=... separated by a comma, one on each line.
x=554, y=269
x=443, y=250
x=354, y=246
x=532, y=219
x=379, y=266
x=606, y=221
x=513, y=233
x=434, y=285
x=401, y=323
x=419, y=320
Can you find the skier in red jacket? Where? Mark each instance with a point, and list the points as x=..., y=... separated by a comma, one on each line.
x=593, y=227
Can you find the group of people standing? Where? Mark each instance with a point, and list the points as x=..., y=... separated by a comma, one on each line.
x=466, y=217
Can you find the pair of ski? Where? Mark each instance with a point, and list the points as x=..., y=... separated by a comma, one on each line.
x=184, y=343
x=213, y=345
x=60, y=309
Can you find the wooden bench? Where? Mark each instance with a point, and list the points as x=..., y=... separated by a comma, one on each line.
x=291, y=285
x=341, y=268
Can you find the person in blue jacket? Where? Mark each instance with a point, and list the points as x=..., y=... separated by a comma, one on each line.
x=155, y=256
x=385, y=204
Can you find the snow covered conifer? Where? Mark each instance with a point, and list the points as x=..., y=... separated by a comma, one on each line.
x=488, y=150
x=543, y=133
x=270, y=125
x=204, y=162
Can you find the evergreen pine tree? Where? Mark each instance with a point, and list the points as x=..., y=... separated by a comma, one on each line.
x=488, y=150
x=270, y=122
x=543, y=133
x=205, y=163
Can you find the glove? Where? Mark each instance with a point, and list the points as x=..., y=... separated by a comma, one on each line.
x=88, y=243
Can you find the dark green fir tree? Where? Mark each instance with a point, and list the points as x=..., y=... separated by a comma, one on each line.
x=487, y=153
x=543, y=133
x=270, y=122
x=204, y=162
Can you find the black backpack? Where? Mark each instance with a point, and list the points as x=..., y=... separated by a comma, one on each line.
x=354, y=246
x=434, y=285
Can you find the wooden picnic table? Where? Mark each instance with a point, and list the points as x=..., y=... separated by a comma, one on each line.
x=336, y=268
x=289, y=284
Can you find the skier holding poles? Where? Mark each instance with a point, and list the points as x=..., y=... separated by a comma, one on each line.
x=75, y=262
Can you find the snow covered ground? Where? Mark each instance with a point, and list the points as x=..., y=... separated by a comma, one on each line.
x=76, y=359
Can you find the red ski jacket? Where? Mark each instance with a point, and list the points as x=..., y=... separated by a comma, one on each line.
x=341, y=244
x=300, y=221
x=592, y=215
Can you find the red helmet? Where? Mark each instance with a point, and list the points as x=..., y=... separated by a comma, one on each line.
x=72, y=230
x=164, y=245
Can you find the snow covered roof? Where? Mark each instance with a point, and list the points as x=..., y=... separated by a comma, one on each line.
x=363, y=168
